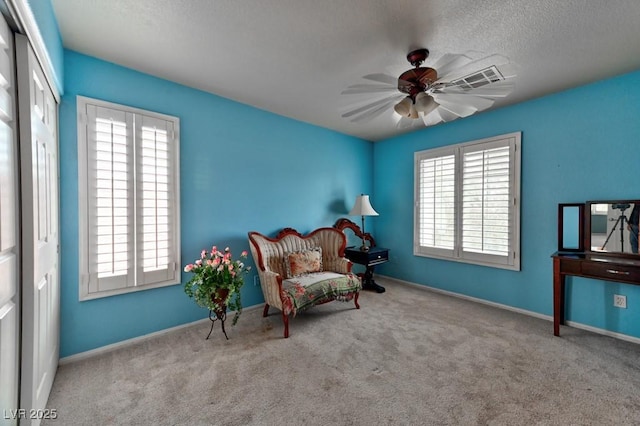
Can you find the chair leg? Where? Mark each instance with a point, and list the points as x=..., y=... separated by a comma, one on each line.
x=266, y=310
x=285, y=319
x=355, y=300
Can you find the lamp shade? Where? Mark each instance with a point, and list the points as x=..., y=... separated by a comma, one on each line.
x=362, y=207
x=404, y=107
x=425, y=103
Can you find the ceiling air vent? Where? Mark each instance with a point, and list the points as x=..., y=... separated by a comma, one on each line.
x=479, y=78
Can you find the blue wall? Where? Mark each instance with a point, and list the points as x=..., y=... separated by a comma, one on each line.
x=48, y=26
x=242, y=169
x=577, y=145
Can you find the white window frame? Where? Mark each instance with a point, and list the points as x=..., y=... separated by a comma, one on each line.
x=510, y=261
x=135, y=279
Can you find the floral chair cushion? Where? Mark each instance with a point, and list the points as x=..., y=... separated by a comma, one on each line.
x=300, y=263
x=303, y=292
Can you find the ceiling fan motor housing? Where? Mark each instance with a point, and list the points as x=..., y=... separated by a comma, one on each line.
x=416, y=80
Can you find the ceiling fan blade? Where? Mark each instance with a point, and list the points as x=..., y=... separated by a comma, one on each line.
x=496, y=89
x=368, y=88
x=432, y=118
x=458, y=109
x=470, y=100
x=446, y=115
x=473, y=67
x=449, y=62
x=407, y=123
x=373, y=113
x=371, y=105
x=382, y=78
x=499, y=89
x=404, y=122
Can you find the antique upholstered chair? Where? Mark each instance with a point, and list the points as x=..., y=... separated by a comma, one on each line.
x=299, y=271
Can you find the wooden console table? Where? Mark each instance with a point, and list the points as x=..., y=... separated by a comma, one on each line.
x=589, y=265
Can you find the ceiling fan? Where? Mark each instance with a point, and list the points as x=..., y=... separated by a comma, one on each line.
x=458, y=85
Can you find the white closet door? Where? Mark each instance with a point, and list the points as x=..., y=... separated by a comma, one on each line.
x=9, y=232
x=40, y=266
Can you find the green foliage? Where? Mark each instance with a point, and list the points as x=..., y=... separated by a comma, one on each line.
x=215, y=270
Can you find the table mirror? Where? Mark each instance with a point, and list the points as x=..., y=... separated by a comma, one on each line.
x=612, y=226
x=571, y=227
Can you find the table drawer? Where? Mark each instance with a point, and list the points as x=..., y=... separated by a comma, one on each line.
x=368, y=258
x=615, y=272
x=378, y=257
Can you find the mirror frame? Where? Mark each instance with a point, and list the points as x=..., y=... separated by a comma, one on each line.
x=581, y=227
x=587, y=228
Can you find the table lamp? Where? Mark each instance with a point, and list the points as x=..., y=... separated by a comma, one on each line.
x=363, y=208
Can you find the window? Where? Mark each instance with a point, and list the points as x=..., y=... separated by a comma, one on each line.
x=128, y=181
x=467, y=202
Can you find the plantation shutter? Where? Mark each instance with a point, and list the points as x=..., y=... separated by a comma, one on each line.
x=467, y=202
x=156, y=199
x=487, y=198
x=436, y=202
x=110, y=214
x=129, y=198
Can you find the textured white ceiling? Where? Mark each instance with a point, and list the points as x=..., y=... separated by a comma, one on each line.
x=294, y=57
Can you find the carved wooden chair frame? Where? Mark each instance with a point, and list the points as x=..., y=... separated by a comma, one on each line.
x=344, y=223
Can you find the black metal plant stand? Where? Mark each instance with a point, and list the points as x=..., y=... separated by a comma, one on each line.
x=222, y=316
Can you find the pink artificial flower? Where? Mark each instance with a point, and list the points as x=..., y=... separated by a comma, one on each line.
x=209, y=262
x=188, y=268
x=203, y=254
x=244, y=253
x=230, y=267
x=220, y=268
x=226, y=249
x=199, y=262
x=227, y=256
x=233, y=273
x=216, y=261
x=214, y=250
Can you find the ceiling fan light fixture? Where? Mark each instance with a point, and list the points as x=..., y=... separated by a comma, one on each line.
x=413, y=112
x=407, y=108
x=404, y=107
x=425, y=103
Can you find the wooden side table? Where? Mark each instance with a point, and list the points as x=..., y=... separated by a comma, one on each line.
x=375, y=256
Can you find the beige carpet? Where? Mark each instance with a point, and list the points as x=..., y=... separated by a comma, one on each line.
x=408, y=357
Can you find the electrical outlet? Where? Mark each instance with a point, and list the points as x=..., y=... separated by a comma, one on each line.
x=620, y=301
x=256, y=280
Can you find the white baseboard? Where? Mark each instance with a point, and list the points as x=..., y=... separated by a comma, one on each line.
x=574, y=324
x=602, y=331
x=129, y=342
